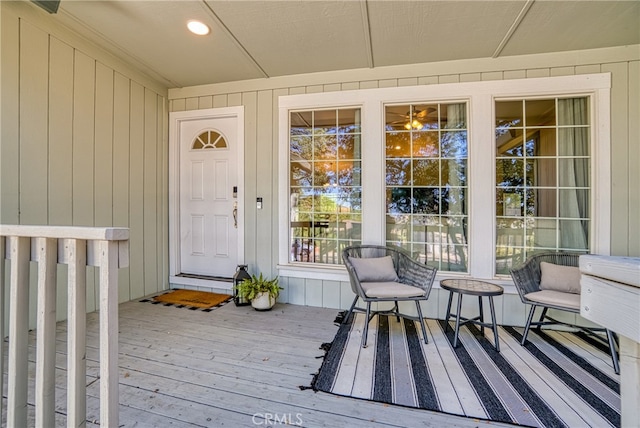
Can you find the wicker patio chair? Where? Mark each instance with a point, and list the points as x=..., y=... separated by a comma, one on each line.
x=386, y=274
x=528, y=278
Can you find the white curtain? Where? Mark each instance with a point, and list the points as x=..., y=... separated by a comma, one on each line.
x=574, y=173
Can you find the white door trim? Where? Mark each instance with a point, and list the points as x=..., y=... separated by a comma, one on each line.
x=174, y=190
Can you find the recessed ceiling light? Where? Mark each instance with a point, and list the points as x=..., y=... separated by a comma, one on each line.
x=197, y=27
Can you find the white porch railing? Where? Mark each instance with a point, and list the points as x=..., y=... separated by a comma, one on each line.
x=77, y=247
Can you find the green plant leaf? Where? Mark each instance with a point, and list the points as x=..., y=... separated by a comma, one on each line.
x=250, y=287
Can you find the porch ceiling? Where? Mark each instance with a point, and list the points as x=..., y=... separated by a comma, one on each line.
x=256, y=39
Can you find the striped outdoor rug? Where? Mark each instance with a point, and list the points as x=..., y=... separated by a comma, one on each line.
x=559, y=379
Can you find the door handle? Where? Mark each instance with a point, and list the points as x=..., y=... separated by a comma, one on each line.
x=235, y=214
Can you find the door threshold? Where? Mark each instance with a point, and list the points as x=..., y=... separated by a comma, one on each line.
x=205, y=277
x=201, y=281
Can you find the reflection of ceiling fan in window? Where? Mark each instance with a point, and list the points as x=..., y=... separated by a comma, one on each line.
x=416, y=118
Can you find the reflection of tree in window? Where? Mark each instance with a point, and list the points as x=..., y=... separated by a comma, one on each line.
x=426, y=200
x=398, y=172
x=325, y=173
x=430, y=162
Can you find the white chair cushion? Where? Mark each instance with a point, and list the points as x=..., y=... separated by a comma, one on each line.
x=374, y=269
x=560, y=278
x=556, y=298
x=390, y=289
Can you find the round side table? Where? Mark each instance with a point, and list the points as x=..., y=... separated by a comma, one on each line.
x=472, y=287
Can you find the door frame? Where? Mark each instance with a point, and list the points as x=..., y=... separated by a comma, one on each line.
x=175, y=119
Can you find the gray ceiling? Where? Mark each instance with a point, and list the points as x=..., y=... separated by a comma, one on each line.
x=255, y=39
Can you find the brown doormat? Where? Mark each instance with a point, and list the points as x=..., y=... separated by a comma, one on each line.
x=192, y=298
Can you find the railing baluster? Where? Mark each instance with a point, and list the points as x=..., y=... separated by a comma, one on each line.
x=108, y=334
x=79, y=247
x=18, y=332
x=46, y=332
x=2, y=288
x=76, y=331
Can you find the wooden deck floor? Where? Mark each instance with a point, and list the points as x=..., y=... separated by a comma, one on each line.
x=232, y=367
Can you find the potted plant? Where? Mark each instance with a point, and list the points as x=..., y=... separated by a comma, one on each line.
x=262, y=292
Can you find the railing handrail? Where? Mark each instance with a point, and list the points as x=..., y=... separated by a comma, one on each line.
x=77, y=247
x=68, y=232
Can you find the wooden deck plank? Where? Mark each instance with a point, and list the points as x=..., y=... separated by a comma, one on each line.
x=229, y=367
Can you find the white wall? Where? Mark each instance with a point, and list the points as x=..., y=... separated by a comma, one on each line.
x=260, y=99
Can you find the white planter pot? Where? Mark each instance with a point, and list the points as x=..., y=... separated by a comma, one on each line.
x=263, y=302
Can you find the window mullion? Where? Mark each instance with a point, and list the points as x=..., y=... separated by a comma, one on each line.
x=481, y=187
x=373, y=221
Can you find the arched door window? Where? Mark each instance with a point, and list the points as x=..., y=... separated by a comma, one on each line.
x=209, y=140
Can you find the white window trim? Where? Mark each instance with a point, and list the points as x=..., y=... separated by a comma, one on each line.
x=480, y=97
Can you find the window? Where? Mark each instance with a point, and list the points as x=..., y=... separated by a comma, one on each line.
x=426, y=182
x=542, y=177
x=325, y=184
x=209, y=140
x=469, y=177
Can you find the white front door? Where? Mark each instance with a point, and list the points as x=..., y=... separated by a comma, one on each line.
x=208, y=192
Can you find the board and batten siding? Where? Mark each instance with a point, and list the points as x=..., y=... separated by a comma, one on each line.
x=84, y=142
x=260, y=99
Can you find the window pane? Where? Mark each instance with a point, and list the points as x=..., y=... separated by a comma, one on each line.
x=349, y=147
x=573, y=234
x=510, y=234
x=574, y=172
x=509, y=202
x=544, y=233
x=350, y=200
x=542, y=172
x=349, y=173
x=510, y=172
x=542, y=202
x=573, y=111
x=398, y=144
x=509, y=114
x=325, y=147
x=425, y=144
x=325, y=183
x=573, y=141
x=301, y=147
x=543, y=186
x=509, y=142
x=325, y=122
x=453, y=144
x=540, y=112
x=426, y=172
x=453, y=116
x=426, y=166
x=301, y=174
x=302, y=201
x=541, y=142
x=398, y=200
x=454, y=171
x=301, y=122
x=427, y=116
x=324, y=173
x=396, y=117
x=349, y=227
x=453, y=201
x=398, y=229
x=398, y=172
x=426, y=200
x=573, y=203
x=349, y=121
